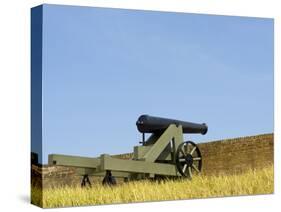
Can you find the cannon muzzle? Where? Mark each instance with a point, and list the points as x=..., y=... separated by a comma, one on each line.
x=151, y=124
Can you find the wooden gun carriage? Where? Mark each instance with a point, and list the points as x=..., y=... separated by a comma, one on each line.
x=163, y=154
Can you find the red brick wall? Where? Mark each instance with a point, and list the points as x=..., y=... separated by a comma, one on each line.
x=237, y=155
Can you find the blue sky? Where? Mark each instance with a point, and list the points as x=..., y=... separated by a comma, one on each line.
x=102, y=68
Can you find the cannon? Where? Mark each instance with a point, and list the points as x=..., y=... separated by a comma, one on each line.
x=152, y=124
x=163, y=154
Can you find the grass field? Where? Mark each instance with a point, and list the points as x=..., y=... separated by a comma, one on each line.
x=251, y=182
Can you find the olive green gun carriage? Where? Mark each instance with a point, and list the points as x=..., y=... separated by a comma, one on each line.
x=163, y=154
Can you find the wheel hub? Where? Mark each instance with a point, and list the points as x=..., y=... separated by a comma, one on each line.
x=189, y=159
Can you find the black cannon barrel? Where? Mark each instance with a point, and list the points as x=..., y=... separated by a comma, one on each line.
x=152, y=124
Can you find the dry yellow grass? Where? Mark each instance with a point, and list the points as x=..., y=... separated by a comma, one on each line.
x=251, y=182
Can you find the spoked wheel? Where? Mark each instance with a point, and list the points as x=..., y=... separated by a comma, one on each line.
x=188, y=159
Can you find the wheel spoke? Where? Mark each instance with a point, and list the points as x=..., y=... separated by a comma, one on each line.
x=192, y=151
x=185, y=149
x=182, y=160
x=196, y=169
x=188, y=147
x=197, y=158
x=189, y=171
x=182, y=152
x=184, y=168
